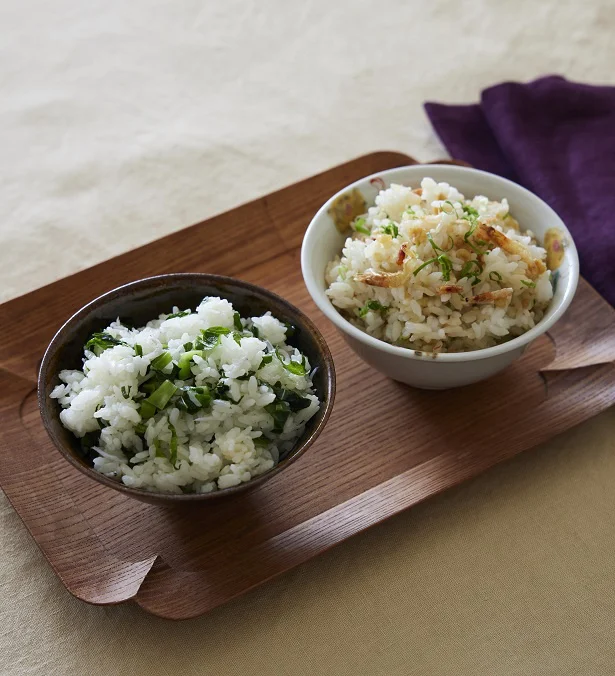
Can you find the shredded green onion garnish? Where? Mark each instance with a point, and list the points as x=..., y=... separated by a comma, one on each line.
x=445, y=264
x=468, y=234
x=138, y=350
x=359, y=226
x=453, y=208
x=237, y=321
x=495, y=276
x=436, y=248
x=372, y=305
x=424, y=265
x=466, y=270
x=527, y=282
x=470, y=212
x=391, y=229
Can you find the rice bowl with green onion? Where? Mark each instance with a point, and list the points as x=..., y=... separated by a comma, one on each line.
x=433, y=271
x=193, y=402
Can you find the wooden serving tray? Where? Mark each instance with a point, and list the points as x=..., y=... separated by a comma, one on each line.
x=386, y=446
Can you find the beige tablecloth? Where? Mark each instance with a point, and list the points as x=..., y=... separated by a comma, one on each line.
x=123, y=121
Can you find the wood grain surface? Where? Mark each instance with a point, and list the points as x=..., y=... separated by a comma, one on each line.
x=385, y=448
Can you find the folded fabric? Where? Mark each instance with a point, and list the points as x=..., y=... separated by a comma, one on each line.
x=556, y=138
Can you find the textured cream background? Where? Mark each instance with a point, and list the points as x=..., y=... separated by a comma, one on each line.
x=121, y=122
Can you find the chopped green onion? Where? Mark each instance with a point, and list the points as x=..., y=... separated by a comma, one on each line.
x=193, y=399
x=184, y=363
x=161, y=397
x=140, y=429
x=152, y=384
x=147, y=409
x=450, y=213
x=495, y=276
x=294, y=367
x=237, y=337
x=359, y=226
x=125, y=391
x=161, y=361
x=138, y=350
x=391, y=229
x=184, y=313
x=159, y=451
x=372, y=305
x=188, y=346
x=527, y=282
x=436, y=248
x=254, y=330
x=221, y=391
x=237, y=321
x=261, y=442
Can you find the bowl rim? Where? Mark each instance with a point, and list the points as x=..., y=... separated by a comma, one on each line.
x=59, y=339
x=324, y=304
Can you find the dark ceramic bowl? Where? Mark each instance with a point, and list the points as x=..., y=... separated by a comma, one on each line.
x=141, y=301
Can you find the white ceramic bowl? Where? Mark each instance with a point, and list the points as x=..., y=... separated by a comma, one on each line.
x=322, y=242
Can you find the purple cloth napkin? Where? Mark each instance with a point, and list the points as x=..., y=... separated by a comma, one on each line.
x=556, y=138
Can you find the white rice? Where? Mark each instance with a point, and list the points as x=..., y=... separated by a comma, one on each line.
x=406, y=302
x=226, y=442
